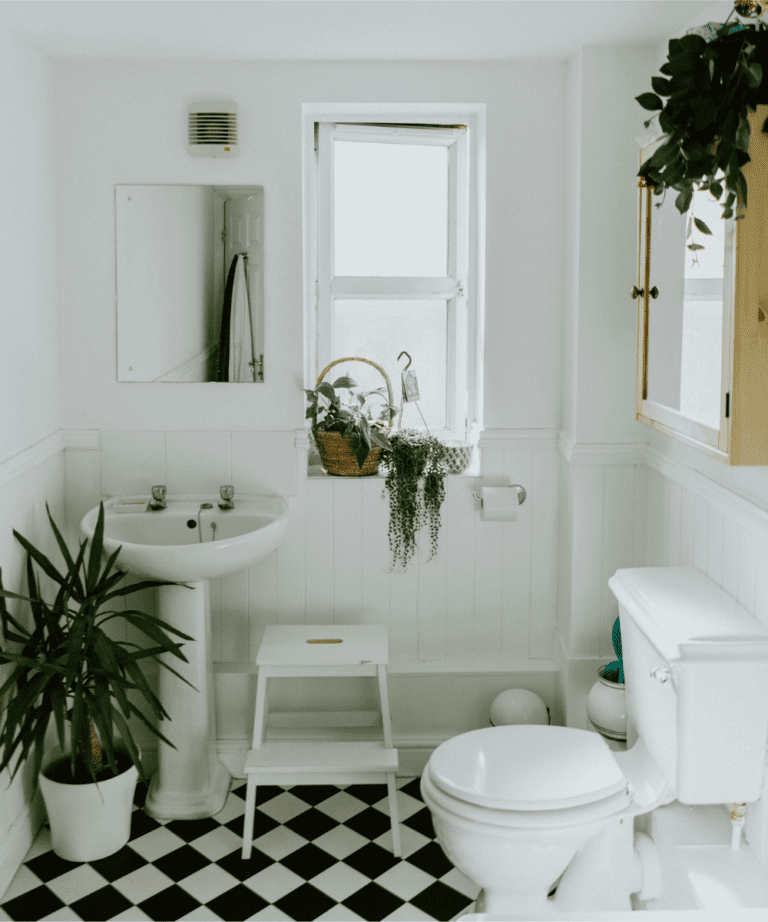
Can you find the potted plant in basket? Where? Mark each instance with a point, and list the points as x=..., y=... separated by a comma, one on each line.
x=68, y=668
x=416, y=473
x=349, y=429
x=714, y=77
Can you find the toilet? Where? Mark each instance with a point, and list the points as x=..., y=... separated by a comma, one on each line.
x=520, y=808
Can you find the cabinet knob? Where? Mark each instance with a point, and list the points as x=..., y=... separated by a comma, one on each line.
x=636, y=292
x=654, y=292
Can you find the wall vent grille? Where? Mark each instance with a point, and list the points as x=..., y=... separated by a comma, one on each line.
x=212, y=130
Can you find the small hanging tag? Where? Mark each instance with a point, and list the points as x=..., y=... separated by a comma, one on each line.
x=410, y=387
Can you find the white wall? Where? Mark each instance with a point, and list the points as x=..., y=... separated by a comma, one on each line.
x=31, y=455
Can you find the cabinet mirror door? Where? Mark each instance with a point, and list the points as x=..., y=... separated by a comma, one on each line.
x=685, y=307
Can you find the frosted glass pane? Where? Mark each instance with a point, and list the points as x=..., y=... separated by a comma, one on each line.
x=390, y=209
x=380, y=331
x=702, y=359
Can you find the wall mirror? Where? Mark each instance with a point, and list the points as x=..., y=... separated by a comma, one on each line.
x=190, y=283
x=684, y=320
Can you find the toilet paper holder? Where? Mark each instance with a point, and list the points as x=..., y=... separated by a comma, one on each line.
x=521, y=494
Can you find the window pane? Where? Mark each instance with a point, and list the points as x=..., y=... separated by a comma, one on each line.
x=390, y=209
x=380, y=331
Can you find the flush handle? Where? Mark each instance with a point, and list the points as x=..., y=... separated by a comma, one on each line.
x=661, y=674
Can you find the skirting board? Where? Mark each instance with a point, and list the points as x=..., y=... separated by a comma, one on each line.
x=19, y=840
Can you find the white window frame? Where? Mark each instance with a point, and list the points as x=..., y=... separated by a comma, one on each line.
x=462, y=287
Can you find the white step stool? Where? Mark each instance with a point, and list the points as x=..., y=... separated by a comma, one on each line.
x=320, y=650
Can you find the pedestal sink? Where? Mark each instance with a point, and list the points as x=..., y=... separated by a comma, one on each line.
x=190, y=544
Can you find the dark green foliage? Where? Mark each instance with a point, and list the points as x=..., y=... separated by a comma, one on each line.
x=416, y=486
x=359, y=421
x=69, y=669
x=703, y=114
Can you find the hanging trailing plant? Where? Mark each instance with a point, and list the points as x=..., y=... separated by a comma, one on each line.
x=709, y=88
x=416, y=486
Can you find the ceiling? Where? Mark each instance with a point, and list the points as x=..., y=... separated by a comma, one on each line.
x=396, y=30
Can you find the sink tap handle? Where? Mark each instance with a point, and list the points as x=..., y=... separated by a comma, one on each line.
x=227, y=493
x=158, y=497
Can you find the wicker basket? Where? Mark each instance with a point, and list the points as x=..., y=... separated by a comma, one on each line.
x=336, y=451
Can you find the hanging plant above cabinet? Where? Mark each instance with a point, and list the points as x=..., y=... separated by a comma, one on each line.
x=714, y=77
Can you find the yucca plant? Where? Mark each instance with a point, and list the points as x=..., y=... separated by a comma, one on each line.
x=68, y=668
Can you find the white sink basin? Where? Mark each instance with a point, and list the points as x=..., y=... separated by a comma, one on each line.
x=167, y=544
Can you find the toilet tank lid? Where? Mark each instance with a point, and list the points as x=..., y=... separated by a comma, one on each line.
x=688, y=616
x=527, y=767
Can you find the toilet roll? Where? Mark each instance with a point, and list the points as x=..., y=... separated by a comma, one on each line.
x=500, y=504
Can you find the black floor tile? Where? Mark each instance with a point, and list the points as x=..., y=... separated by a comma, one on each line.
x=368, y=793
x=233, y=864
x=189, y=830
x=49, y=865
x=237, y=904
x=181, y=863
x=373, y=902
x=101, y=905
x=32, y=905
x=370, y=823
x=142, y=823
x=311, y=824
x=264, y=792
x=422, y=822
x=305, y=903
x=431, y=859
x=308, y=861
x=371, y=860
x=262, y=824
x=113, y=867
x=169, y=904
x=314, y=793
x=440, y=901
x=413, y=788
x=140, y=794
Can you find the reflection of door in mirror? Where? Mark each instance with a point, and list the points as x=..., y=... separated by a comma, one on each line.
x=175, y=247
x=685, y=320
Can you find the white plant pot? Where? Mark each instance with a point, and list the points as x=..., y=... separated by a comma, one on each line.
x=606, y=707
x=88, y=821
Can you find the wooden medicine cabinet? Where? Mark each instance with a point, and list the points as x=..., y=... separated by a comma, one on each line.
x=702, y=351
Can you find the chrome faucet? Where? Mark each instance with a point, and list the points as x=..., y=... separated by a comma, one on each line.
x=227, y=494
x=158, y=498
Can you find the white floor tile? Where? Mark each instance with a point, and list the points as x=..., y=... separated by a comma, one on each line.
x=284, y=807
x=201, y=914
x=270, y=914
x=279, y=842
x=454, y=878
x=410, y=840
x=234, y=807
x=406, y=805
x=65, y=914
x=23, y=880
x=405, y=880
x=408, y=913
x=340, y=841
x=340, y=881
x=142, y=883
x=274, y=882
x=157, y=843
x=131, y=914
x=4, y=917
x=78, y=882
x=341, y=807
x=339, y=914
x=208, y=883
x=217, y=843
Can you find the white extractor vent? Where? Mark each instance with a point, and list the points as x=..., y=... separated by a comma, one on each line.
x=212, y=129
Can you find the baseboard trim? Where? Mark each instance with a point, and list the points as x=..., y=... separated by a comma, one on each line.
x=19, y=840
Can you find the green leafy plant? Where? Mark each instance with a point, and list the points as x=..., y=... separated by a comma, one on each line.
x=69, y=669
x=351, y=414
x=709, y=88
x=415, y=482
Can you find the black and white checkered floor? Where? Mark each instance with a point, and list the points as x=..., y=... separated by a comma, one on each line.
x=320, y=852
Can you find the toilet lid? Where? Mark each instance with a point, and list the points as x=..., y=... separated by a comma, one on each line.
x=527, y=767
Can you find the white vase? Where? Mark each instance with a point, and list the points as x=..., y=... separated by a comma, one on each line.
x=88, y=821
x=606, y=707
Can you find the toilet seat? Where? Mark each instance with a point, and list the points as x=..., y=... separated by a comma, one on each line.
x=527, y=768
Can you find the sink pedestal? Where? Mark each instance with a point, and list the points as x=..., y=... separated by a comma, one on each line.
x=190, y=781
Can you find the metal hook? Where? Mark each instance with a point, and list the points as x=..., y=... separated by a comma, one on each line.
x=409, y=359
